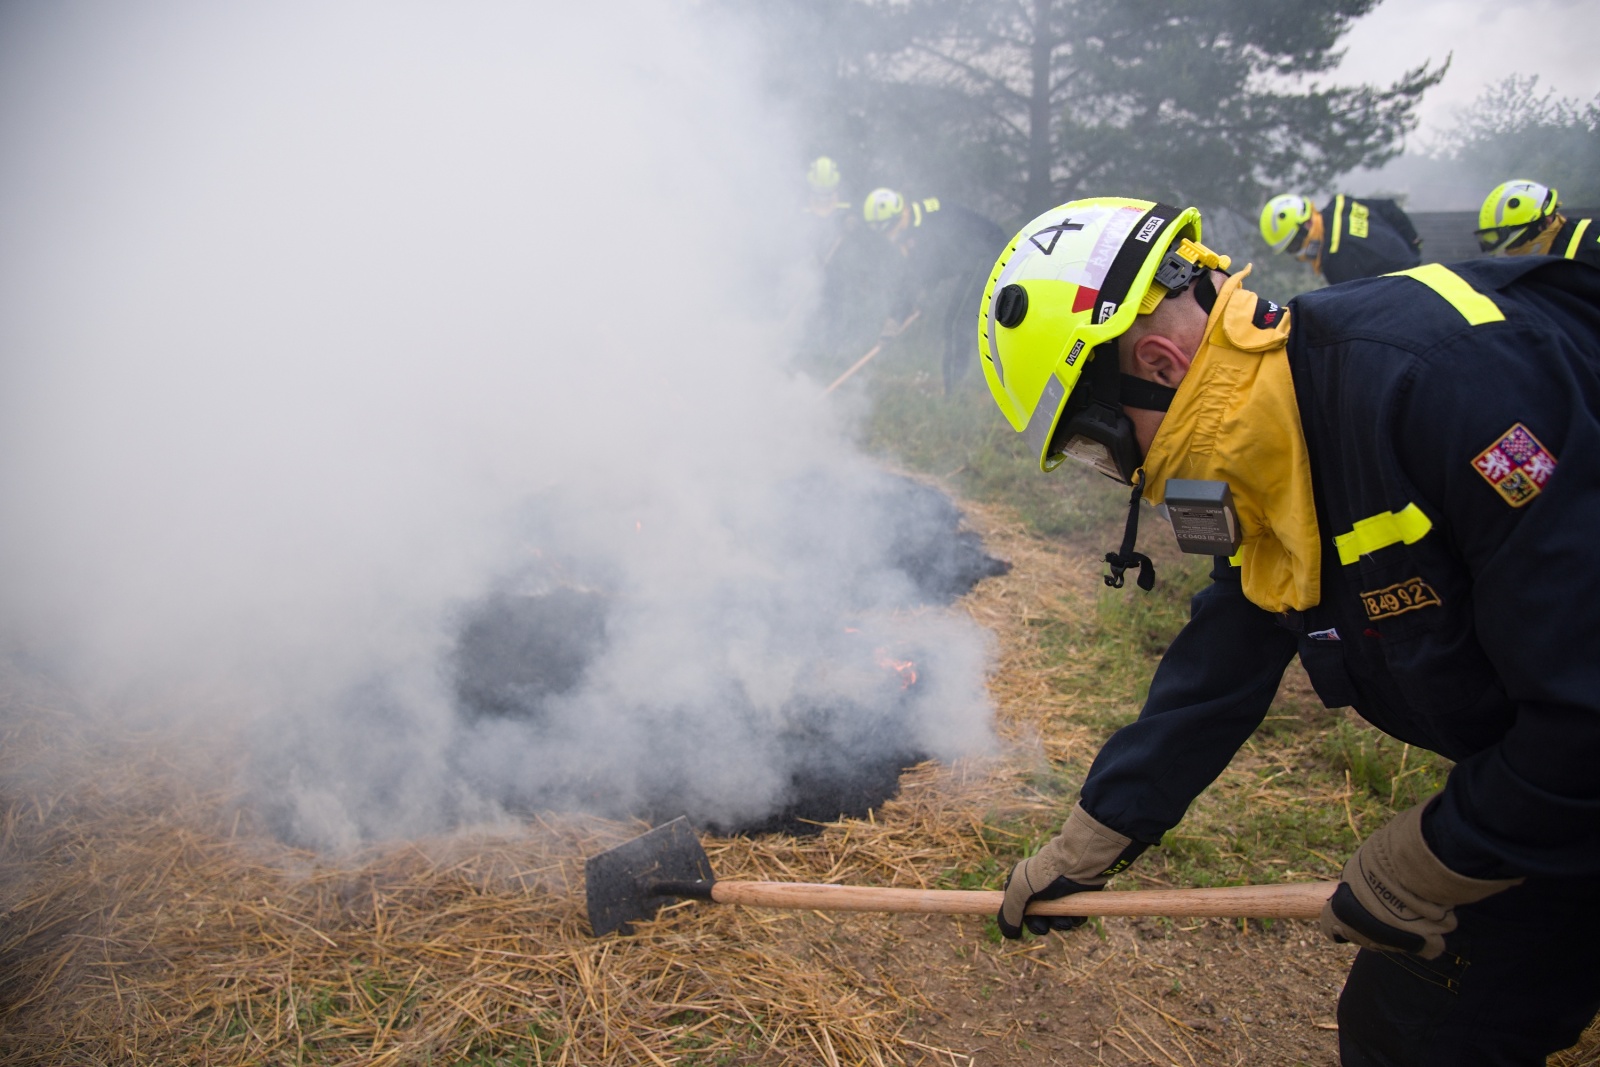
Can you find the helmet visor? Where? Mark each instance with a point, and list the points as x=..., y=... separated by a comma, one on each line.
x=1094, y=453
x=1084, y=425
x=1498, y=238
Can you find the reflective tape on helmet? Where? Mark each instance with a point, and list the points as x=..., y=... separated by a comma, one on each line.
x=1037, y=433
x=1476, y=308
x=1516, y=203
x=1282, y=219
x=1406, y=526
x=1577, y=235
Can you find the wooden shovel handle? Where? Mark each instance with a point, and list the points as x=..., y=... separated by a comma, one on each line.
x=1293, y=900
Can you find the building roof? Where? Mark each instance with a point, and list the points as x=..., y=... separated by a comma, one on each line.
x=1447, y=235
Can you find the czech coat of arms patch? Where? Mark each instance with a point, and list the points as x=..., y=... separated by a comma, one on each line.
x=1517, y=465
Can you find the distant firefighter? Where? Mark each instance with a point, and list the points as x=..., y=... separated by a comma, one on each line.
x=822, y=179
x=939, y=241
x=1523, y=218
x=1347, y=239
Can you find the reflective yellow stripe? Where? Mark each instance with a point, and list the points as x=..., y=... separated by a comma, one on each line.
x=1408, y=525
x=1338, y=223
x=1237, y=559
x=1577, y=235
x=1476, y=308
x=916, y=213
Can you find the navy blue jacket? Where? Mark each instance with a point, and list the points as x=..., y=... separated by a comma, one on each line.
x=1578, y=239
x=945, y=241
x=1366, y=238
x=1480, y=639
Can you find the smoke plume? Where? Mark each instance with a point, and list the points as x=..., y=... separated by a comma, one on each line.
x=331, y=334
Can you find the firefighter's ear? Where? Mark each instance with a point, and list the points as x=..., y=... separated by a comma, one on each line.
x=1156, y=357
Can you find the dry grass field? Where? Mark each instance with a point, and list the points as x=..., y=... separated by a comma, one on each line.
x=145, y=920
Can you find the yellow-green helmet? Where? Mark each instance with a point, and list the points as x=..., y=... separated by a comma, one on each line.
x=1073, y=279
x=1514, y=212
x=882, y=207
x=1282, y=218
x=822, y=175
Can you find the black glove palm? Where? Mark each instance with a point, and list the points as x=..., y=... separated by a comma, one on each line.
x=1077, y=860
x=1043, y=924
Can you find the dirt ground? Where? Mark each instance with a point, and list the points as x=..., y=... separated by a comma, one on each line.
x=1132, y=992
x=140, y=923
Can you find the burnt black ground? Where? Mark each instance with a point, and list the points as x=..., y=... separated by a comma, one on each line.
x=516, y=655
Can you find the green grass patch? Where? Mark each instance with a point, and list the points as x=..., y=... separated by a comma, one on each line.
x=963, y=439
x=540, y=1042
x=1106, y=655
x=1402, y=776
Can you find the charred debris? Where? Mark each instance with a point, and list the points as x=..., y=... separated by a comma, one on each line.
x=518, y=656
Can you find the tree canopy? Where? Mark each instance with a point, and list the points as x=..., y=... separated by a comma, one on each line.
x=1515, y=130
x=1014, y=105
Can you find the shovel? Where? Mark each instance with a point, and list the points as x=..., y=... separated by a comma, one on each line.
x=874, y=350
x=636, y=879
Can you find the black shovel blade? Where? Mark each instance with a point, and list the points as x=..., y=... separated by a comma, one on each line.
x=633, y=880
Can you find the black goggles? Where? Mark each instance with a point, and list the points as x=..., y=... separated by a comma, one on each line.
x=1496, y=237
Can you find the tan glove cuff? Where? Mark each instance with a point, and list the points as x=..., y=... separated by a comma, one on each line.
x=1086, y=850
x=1401, y=885
x=1399, y=852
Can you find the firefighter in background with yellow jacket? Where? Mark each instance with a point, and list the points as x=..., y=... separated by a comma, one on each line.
x=822, y=184
x=1523, y=218
x=825, y=209
x=845, y=258
x=936, y=242
x=1348, y=239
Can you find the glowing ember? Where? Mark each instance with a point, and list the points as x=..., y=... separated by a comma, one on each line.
x=906, y=669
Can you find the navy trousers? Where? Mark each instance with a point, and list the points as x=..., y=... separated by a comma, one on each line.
x=1519, y=979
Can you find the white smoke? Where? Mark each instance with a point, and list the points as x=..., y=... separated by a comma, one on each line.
x=321, y=322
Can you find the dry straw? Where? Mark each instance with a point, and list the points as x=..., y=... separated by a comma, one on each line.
x=147, y=921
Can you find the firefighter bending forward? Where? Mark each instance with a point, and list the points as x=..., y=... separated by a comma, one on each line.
x=1347, y=239
x=1413, y=462
x=1523, y=218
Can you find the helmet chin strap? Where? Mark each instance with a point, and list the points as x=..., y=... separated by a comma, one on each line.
x=1205, y=291
x=1126, y=557
x=1144, y=394
x=1186, y=266
x=1153, y=396
x=1148, y=396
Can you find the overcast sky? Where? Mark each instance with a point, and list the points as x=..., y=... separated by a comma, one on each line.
x=1490, y=39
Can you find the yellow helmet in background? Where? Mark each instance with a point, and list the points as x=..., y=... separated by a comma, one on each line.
x=1282, y=218
x=1513, y=213
x=1073, y=279
x=882, y=207
x=822, y=175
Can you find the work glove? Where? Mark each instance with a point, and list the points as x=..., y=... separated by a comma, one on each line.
x=1395, y=894
x=1081, y=858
